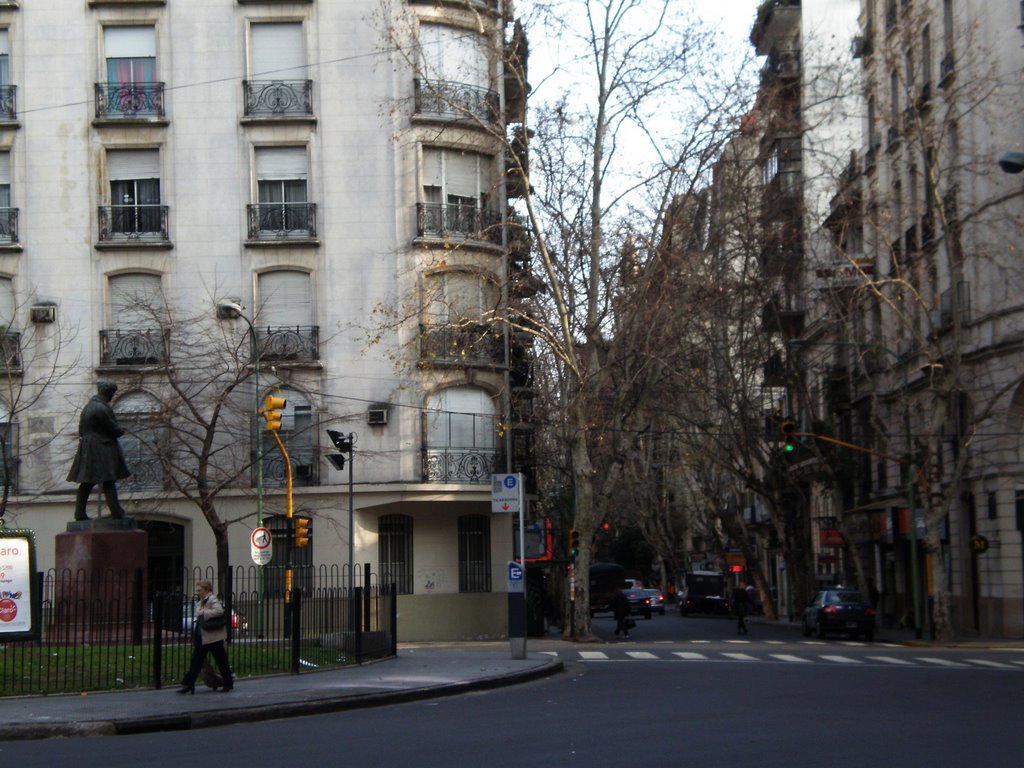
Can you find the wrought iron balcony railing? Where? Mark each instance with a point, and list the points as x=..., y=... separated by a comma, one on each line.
x=278, y=98
x=129, y=101
x=458, y=465
x=440, y=220
x=147, y=471
x=124, y=346
x=453, y=344
x=8, y=226
x=10, y=351
x=8, y=102
x=305, y=468
x=295, y=343
x=453, y=101
x=282, y=221
x=145, y=223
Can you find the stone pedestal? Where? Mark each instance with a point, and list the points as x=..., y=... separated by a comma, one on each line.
x=101, y=576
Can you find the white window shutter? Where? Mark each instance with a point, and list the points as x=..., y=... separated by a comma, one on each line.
x=5, y=167
x=7, y=303
x=280, y=163
x=278, y=52
x=454, y=55
x=127, y=164
x=462, y=175
x=285, y=299
x=129, y=42
x=135, y=301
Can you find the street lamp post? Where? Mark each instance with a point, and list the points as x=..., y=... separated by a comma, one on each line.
x=915, y=586
x=232, y=310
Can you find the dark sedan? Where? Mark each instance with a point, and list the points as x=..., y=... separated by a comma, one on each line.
x=639, y=602
x=840, y=610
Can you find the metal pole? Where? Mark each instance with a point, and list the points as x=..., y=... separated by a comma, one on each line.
x=911, y=464
x=351, y=516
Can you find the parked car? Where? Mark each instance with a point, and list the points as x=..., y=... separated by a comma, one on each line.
x=657, y=600
x=639, y=602
x=703, y=592
x=840, y=610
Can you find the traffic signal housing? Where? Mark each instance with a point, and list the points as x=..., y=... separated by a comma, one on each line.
x=344, y=444
x=302, y=533
x=272, y=406
x=788, y=435
x=574, y=542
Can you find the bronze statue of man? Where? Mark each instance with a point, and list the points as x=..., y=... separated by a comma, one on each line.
x=99, y=458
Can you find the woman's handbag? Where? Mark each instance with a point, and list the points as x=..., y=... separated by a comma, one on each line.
x=212, y=623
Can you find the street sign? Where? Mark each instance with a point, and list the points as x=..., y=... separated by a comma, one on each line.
x=262, y=546
x=505, y=493
x=515, y=577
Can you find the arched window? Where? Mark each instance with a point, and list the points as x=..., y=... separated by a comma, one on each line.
x=394, y=551
x=298, y=434
x=460, y=436
x=10, y=339
x=135, y=334
x=474, y=553
x=285, y=323
x=138, y=413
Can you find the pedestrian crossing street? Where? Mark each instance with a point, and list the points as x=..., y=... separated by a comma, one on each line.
x=809, y=652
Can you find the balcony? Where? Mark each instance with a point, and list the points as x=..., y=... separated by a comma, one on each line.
x=274, y=223
x=517, y=163
x=927, y=229
x=8, y=103
x=784, y=192
x=292, y=344
x=459, y=465
x=278, y=99
x=784, y=313
x=120, y=347
x=517, y=86
x=440, y=221
x=775, y=19
x=444, y=100
x=8, y=227
x=468, y=344
x=10, y=351
x=305, y=469
x=130, y=101
x=780, y=66
x=494, y=6
x=132, y=225
x=947, y=69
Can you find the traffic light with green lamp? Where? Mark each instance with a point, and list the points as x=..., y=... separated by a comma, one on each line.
x=272, y=406
x=788, y=435
x=574, y=542
x=302, y=532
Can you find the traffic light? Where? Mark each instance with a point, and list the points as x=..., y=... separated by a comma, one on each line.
x=574, y=542
x=301, y=531
x=343, y=443
x=788, y=434
x=272, y=411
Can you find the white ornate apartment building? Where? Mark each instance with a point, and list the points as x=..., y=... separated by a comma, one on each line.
x=334, y=168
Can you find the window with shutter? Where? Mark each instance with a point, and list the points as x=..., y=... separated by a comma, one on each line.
x=135, y=191
x=281, y=189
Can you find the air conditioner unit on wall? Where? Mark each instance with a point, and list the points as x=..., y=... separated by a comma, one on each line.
x=43, y=313
x=377, y=415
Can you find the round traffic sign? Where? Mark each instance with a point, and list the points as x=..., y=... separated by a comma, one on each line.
x=262, y=551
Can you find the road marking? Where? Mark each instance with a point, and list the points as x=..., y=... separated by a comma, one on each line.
x=593, y=655
x=549, y=653
x=940, y=662
x=691, y=656
x=987, y=663
x=813, y=642
x=890, y=660
x=842, y=660
x=740, y=656
x=854, y=643
x=1019, y=662
x=774, y=642
x=700, y=641
x=641, y=655
x=738, y=642
x=787, y=657
x=889, y=645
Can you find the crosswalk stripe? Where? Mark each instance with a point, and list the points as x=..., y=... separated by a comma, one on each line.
x=940, y=662
x=787, y=657
x=842, y=660
x=593, y=655
x=641, y=655
x=1019, y=662
x=691, y=655
x=740, y=656
x=738, y=642
x=890, y=660
x=774, y=642
x=987, y=663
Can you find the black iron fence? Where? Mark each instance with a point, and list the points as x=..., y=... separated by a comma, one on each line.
x=108, y=629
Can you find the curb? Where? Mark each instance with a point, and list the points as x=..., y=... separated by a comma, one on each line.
x=269, y=711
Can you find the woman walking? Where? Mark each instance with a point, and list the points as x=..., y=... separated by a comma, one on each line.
x=209, y=632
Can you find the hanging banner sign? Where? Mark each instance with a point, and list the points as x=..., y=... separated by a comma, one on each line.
x=19, y=613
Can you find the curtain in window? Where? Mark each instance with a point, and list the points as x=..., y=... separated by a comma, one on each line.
x=281, y=188
x=134, y=190
x=460, y=418
x=131, y=55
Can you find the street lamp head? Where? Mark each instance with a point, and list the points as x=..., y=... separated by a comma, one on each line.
x=1011, y=162
x=229, y=310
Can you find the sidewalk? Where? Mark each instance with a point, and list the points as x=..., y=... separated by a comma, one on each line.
x=418, y=672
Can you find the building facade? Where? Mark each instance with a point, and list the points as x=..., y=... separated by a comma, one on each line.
x=340, y=172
